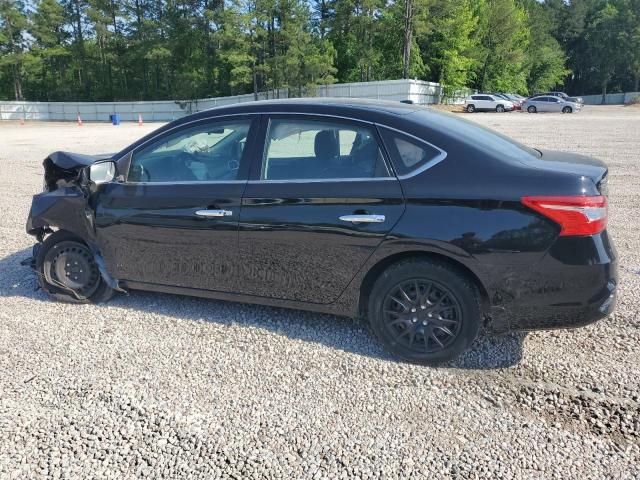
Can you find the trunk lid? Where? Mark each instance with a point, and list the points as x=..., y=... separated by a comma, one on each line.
x=573, y=163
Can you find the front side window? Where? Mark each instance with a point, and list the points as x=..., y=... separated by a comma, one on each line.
x=408, y=154
x=207, y=152
x=309, y=149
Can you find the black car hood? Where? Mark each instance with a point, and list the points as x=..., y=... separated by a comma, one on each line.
x=65, y=168
x=70, y=160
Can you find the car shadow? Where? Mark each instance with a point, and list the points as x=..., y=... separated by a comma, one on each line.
x=354, y=336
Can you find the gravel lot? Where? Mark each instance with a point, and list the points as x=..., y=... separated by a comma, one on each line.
x=159, y=385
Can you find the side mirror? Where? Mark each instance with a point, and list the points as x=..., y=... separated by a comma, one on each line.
x=102, y=172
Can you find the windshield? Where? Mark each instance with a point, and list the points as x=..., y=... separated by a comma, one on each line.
x=477, y=135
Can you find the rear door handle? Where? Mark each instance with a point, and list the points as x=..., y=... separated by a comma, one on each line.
x=213, y=213
x=362, y=218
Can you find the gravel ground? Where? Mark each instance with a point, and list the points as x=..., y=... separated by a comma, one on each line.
x=159, y=385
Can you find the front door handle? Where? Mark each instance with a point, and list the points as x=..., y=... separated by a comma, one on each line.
x=362, y=218
x=213, y=213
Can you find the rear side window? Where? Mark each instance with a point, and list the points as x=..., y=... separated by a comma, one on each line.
x=299, y=149
x=410, y=155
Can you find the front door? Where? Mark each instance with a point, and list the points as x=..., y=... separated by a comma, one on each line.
x=318, y=203
x=174, y=221
x=555, y=104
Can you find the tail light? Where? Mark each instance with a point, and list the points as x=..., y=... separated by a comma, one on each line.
x=577, y=216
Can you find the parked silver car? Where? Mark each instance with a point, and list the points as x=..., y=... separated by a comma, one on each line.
x=561, y=95
x=550, y=104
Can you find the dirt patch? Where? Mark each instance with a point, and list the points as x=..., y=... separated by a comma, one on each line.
x=596, y=413
x=449, y=108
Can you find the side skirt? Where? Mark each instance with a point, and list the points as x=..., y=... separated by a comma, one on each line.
x=236, y=297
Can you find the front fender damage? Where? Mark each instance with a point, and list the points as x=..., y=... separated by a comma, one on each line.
x=65, y=204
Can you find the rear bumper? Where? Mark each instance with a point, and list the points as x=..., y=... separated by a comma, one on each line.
x=574, y=285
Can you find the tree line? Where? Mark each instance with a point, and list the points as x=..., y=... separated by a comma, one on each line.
x=105, y=50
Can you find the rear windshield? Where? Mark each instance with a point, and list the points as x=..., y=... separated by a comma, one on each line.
x=481, y=137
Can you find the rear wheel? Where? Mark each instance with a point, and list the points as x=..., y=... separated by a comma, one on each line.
x=424, y=311
x=471, y=108
x=500, y=108
x=567, y=110
x=532, y=109
x=68, y=272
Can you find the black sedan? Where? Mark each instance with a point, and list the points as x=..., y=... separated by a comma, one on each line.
x=428, y=225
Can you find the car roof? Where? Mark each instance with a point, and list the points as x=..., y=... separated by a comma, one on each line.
x=355, y=107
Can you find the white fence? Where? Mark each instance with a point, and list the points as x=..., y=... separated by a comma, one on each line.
x=416, y=90
x=611, y=98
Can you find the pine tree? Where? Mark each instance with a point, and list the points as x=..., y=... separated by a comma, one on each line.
x=13, y=23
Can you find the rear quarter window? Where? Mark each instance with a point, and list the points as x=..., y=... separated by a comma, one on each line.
x=410, y=155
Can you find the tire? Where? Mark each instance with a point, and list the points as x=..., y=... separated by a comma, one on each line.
x=500, y=108
x=532, y=109
x=396, y=326
x=471, y=108
x=85, y=280
x=567, y=110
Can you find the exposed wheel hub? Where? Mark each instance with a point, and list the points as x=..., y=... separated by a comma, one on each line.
x=74, y=267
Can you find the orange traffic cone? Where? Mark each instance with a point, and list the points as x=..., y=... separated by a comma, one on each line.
x=79, y=121
x=22, y=121
x=139, y=120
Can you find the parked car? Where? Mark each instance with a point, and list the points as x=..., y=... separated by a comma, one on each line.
x=485, y=102
x=561, y=95
x=426, y=224
x=550, y=104
x=517, y=102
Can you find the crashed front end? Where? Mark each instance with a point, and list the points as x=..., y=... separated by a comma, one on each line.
x=65, y=204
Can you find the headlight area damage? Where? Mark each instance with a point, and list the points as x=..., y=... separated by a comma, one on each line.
x=65, y=204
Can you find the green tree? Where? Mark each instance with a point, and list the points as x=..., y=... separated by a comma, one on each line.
x=13, y=24
x=545, y=60
x=48, y=31
x=602, y=35
x=450, y=44
x=503, y=40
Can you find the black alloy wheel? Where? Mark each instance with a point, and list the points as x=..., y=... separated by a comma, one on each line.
x=424, y=310
x=422, y=315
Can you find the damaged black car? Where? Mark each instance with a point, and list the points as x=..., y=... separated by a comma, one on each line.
x=425, y=224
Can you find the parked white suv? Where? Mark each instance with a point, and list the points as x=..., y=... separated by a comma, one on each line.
x=483, y=101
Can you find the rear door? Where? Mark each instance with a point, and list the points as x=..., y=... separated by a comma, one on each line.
x=477, y=101
x=543, y=105
x=320, y=199
x=553, y=104
x=174, y=220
